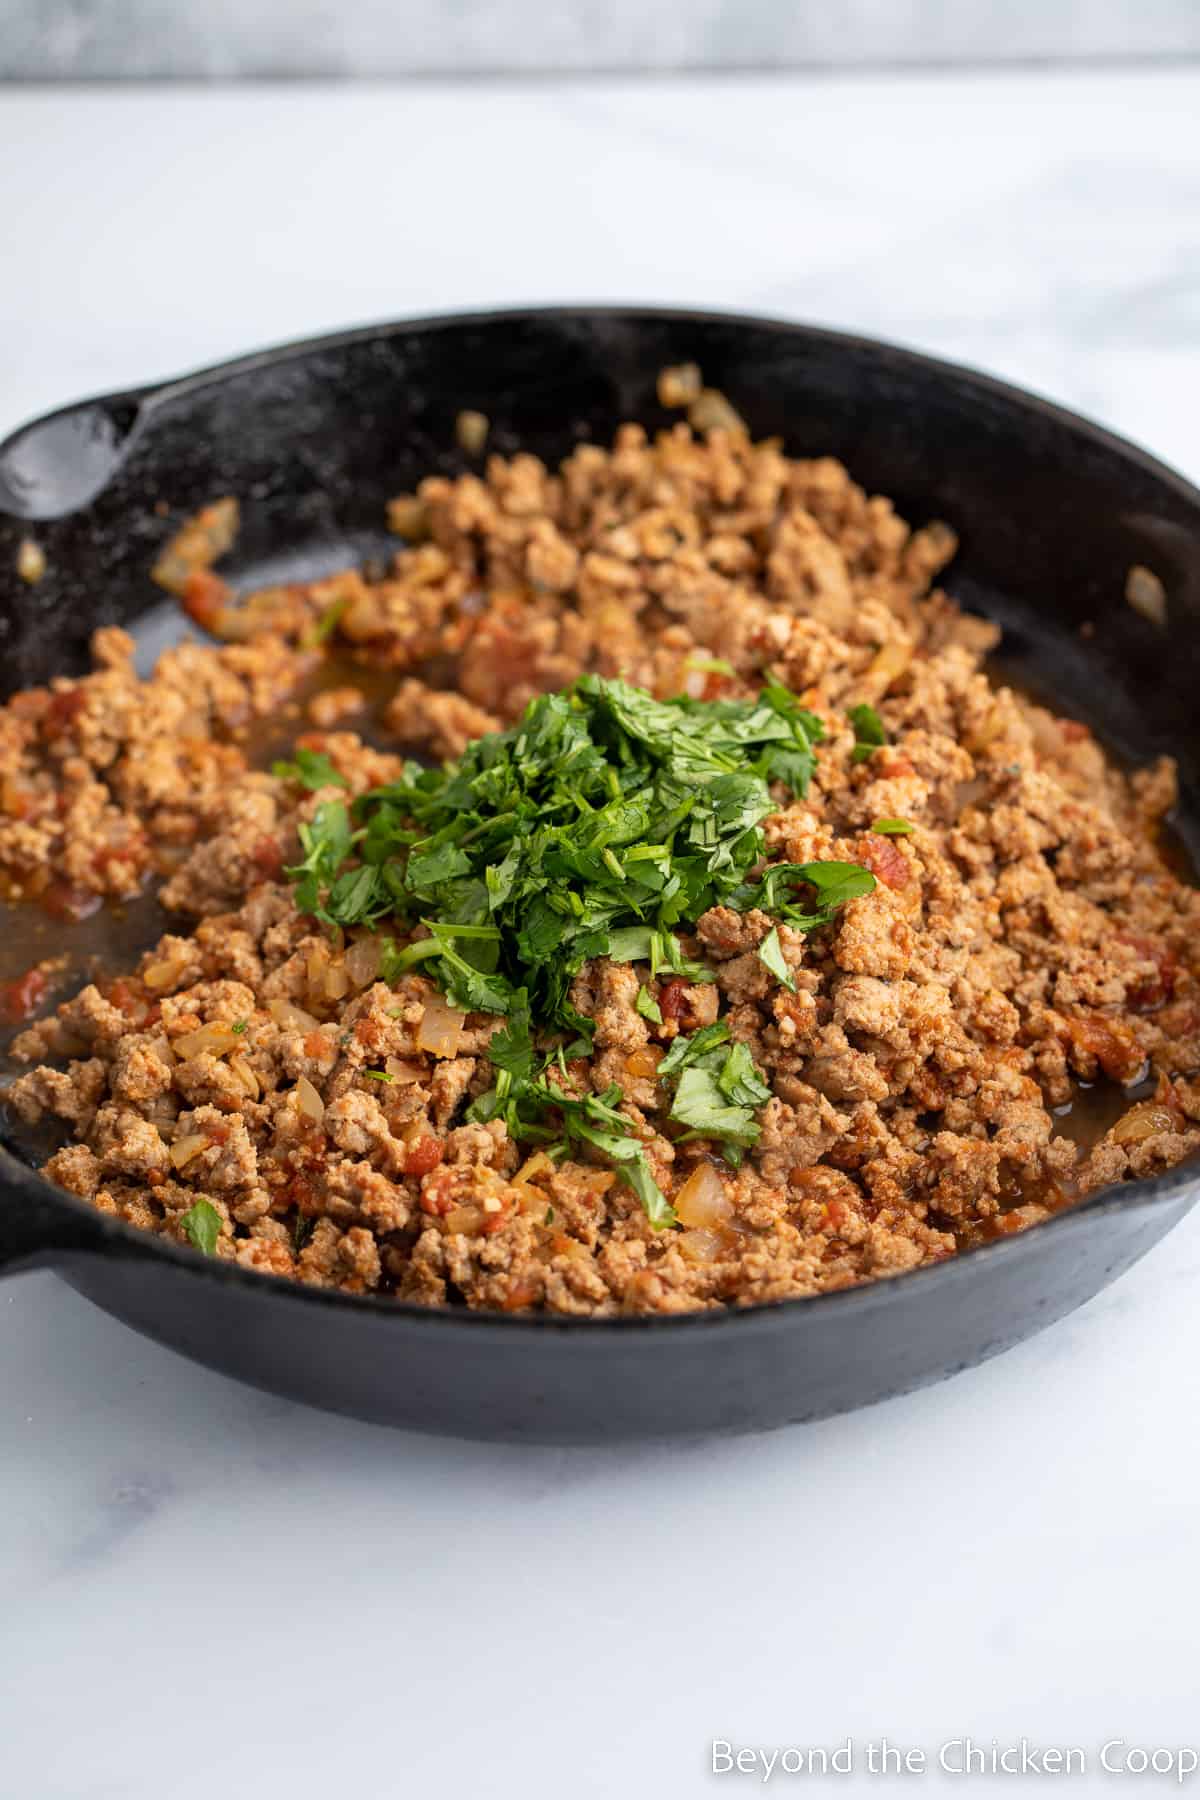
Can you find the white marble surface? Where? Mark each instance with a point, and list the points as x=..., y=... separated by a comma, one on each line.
x=204, y=1591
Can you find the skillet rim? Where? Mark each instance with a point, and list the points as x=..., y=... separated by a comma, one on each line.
x=108, y=1235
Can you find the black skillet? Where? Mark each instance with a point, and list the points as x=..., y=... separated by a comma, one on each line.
x=314, y=437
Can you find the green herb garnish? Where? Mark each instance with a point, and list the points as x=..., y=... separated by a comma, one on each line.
x=770, y=954
x=202, y=1222
x=376, y=1074
x=239, y=1025
x=718, y=1090
x=868, y=732
x=893, y=827
x=324, y=625
x=311, y=768
x=835, y=883
x=596, y=826
x=648, y=1006
x=591, y=828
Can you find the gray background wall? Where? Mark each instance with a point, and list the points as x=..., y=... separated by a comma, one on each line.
x=81, y=39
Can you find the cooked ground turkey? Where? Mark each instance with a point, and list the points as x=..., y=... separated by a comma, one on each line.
x=1025, y=937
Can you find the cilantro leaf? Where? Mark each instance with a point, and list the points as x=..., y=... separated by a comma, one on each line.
x=648, y=1006
x=835, y=882
x=869, y=733
x=701, y=1104
x=893, y=827
x=202, y=1222
x=770, y=954
x=311, y=769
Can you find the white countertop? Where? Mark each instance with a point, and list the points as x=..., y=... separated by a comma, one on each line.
x=208, y=1592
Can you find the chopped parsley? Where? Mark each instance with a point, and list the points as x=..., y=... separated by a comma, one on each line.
x=868, y=732
x=718, y=1090
x=648, y=1006
x=596, y=826
x=311, y=768
x=202, y=1222
x=325, y=624
x=893, y=827
x=835, y=883
x=770, y=954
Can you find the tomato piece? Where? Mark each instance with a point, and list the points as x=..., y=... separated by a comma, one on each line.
x=205, y=597
x=21, y=997
x=423, y=1156
x=886, y=861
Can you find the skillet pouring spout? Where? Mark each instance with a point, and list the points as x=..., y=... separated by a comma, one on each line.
x=314, y=439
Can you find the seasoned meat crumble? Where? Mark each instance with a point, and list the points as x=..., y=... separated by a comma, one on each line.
x=277, y=1091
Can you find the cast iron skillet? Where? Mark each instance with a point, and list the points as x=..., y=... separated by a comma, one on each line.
x=313, y=438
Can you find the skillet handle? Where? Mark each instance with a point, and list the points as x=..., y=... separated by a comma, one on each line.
x=59, y=463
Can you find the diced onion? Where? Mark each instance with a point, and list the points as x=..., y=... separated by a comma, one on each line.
x=337, y=981
x=294, y=1017
x=887, y=665
x=362, y=961
x=537, y=1164
x=467, y=1219
x=402, y=1072
x=702, y=1200
x=1142, y=1121
x=308, y=1101
x=441, y=1028
x=185, y=1148
x=702, y=1245
x=1147, y=595
x=245, y=1074
x=164, y=974
x=214, y=1039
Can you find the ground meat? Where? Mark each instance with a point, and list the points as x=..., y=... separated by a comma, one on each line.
x=1024, y=935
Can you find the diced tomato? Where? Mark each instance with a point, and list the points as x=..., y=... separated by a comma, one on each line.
x=672, y=997
x=886, y=861
x=21, y=997
x=63, y=710
x=437, y=1194
x=205, y=597
x=1111, y=1043
x=62, y=900
x=422, y=1156
x=1157, y=989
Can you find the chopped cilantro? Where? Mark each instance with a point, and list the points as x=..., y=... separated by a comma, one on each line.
x=599, y=824
x=311, y=768
x=893, y=827
x=835, y=883
x=239, y=1025
x=202, y=1222
x=302, y=1230
x=324, y=625
x=718, y=1090
x=770, y=954
x=648, y=1006
x=868, y=732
